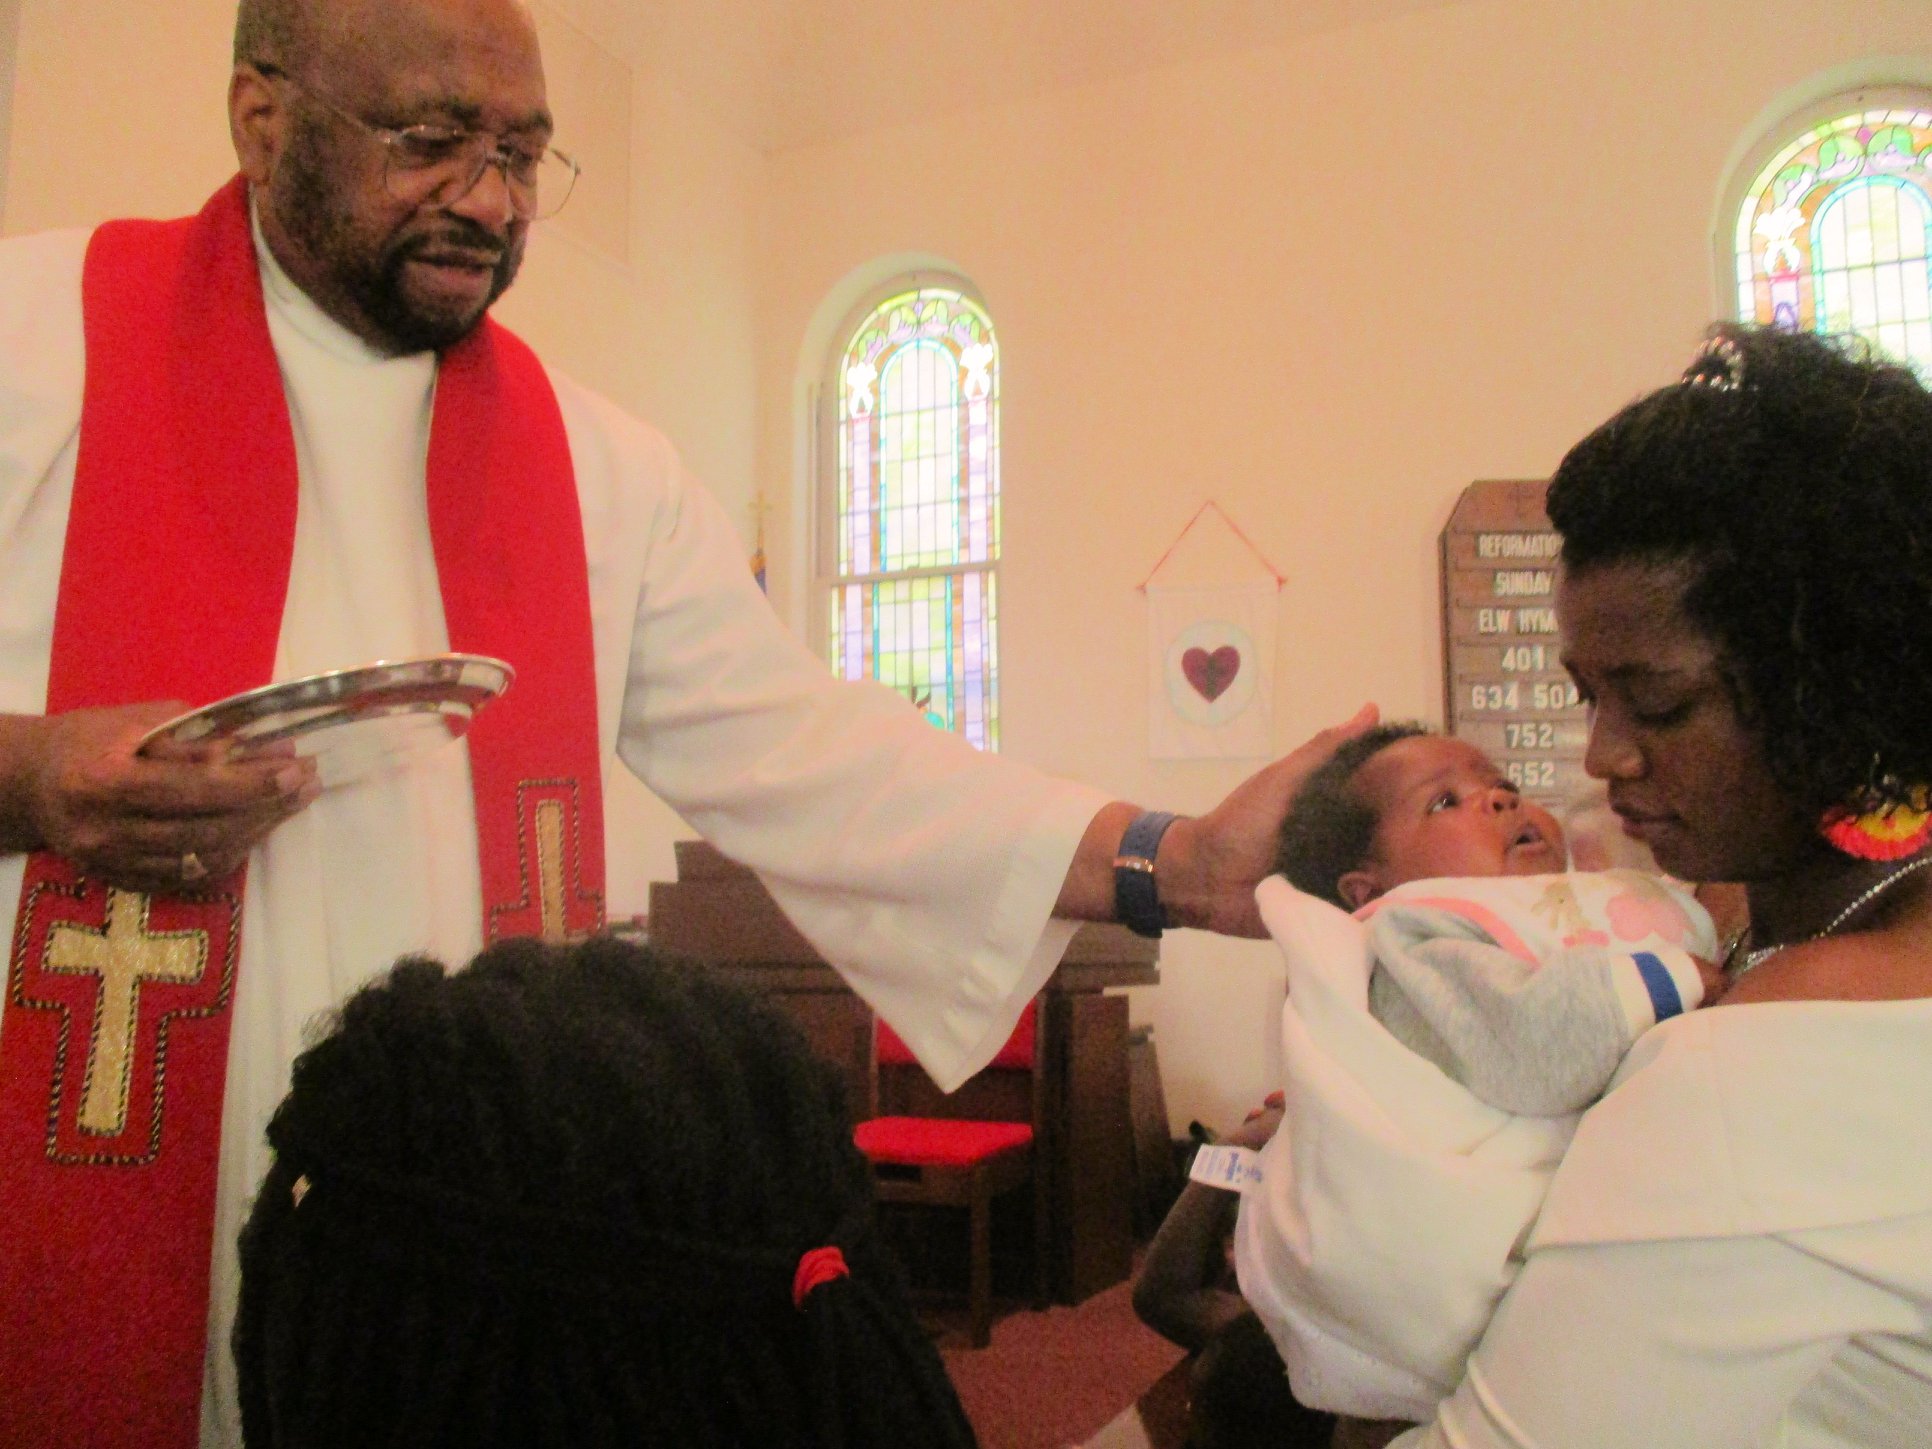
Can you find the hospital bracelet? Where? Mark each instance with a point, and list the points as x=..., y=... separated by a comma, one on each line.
x=1137, y=896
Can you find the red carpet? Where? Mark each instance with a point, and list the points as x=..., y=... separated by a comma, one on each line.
x=1053, y=1379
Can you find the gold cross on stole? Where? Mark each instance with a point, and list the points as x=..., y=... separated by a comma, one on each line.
x=550, y=871
x=123, y=956
x=551, y=902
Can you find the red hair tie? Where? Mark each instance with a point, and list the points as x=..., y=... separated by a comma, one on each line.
x=819, y=1266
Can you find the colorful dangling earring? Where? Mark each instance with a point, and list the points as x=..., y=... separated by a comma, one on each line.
x=1883, y=832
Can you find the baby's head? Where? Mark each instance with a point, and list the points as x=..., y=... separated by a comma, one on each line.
x=1402, y=803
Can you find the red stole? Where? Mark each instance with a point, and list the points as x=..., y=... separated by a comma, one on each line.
x=114, y=1045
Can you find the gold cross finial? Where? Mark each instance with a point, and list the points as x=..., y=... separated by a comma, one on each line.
x=124, y=956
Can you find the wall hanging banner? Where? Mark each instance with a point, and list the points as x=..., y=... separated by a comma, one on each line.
x=1211, y=665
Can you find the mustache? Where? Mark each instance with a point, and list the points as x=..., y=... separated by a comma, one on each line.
x=462, y=237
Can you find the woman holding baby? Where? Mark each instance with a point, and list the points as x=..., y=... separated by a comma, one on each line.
x=1737, y=1249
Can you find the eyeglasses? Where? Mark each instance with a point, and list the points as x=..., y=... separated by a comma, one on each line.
x=430, y=165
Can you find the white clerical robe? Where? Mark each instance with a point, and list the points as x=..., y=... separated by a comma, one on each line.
x=1736, y=1252
x=926, y=871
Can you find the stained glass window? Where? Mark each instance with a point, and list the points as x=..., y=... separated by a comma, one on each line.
x=914, y=600
x=1836, y=230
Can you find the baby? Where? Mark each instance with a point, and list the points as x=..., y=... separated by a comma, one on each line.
x=1513, y=990
x=1437, y=1046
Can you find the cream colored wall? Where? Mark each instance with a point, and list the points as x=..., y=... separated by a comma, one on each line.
x=1327, y=286
x=9, y=50
x=641, y=288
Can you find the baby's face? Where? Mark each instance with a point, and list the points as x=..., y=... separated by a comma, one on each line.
x=1444, y=809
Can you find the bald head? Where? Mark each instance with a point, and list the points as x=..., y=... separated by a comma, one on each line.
x=272, y=31
x=318, y=87
x=287, y=33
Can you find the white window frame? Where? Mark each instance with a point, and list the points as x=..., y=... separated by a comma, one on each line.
x=1876, y=95
x=824, y=471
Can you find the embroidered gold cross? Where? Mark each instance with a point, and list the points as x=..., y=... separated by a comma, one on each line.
x=551, y=886
x=124, y=956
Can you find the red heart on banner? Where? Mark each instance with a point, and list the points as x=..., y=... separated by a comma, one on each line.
x=1211, y=674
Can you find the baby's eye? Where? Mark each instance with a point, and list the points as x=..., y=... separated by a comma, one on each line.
x=1445, y=801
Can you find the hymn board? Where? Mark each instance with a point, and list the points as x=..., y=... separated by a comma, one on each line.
x=1503, y=689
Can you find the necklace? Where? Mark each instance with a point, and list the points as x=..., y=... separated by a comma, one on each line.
x=1742, y=957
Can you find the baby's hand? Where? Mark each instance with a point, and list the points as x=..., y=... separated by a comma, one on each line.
x=1257, y=1130
x=1276, y=1102
x=1714, y=979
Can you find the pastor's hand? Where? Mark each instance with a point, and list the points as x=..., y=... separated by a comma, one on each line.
x=1208, y=866
x=74, y=784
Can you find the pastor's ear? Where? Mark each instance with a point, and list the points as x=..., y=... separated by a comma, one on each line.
x=1358, y=887
x=257, y=122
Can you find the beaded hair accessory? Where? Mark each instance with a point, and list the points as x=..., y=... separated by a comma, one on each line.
x=1718, y=365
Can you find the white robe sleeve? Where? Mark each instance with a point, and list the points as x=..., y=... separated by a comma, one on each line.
x=924, y=870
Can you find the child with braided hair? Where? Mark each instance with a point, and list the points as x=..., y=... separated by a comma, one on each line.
x=572, y=1196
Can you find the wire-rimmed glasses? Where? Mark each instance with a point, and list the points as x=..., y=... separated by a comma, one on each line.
x=431, y=165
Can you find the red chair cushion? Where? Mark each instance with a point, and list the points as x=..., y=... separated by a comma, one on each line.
x=936, y=1142
x=1015, y=1056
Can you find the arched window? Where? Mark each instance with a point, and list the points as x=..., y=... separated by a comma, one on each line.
x=911, y=539
x=1834, y=233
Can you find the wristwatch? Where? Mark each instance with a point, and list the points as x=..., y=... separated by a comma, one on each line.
x=1137, y=896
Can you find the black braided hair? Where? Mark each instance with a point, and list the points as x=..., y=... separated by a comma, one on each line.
x=1329, y=829
x=558, y=1198
x=1791, y=476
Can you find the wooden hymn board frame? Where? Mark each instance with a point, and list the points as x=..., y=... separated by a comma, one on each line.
x=1504, y=690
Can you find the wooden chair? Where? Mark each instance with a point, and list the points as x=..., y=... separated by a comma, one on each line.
x=966, y=1162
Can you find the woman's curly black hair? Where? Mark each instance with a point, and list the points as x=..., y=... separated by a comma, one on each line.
x=1791, y=476
x=558, y=1198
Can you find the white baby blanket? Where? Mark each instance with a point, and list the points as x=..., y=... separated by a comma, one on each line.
x=1393, y=1202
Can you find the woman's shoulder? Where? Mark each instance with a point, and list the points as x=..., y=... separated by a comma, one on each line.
x=1889, y=965
x=1753, y=1119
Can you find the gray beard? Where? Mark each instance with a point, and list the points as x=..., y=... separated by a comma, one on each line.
x=374, y=286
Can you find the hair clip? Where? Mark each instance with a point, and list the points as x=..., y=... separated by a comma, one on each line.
x=298, y=1190
x=815, y=1269
x=1719, y=365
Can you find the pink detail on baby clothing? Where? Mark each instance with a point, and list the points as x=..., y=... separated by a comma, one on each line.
x=1500, y=931
x=1634, y=915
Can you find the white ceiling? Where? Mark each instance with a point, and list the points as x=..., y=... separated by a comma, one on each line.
x=790, y=73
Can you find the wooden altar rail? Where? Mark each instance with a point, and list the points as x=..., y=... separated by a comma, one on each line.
x=719, y=915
